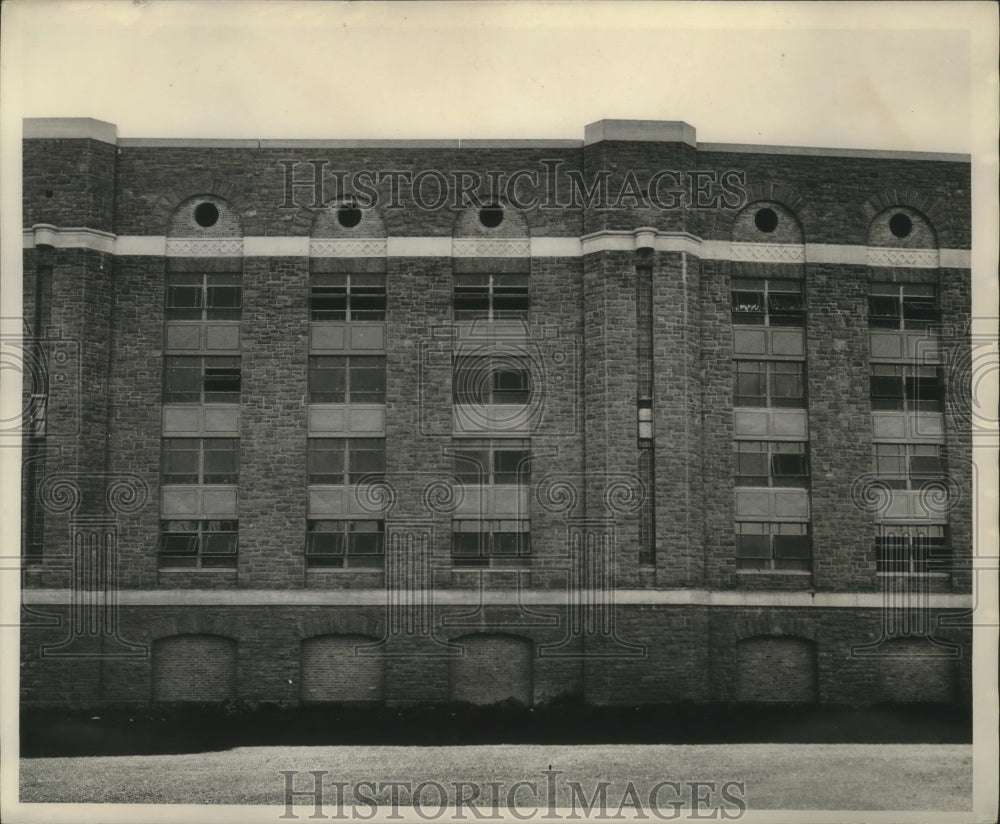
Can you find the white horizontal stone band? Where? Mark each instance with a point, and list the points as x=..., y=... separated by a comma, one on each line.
x=490, y=247
x=204, y=247
x=346, y=247
x=445, y=597
x=537, y=247
x=915, y=258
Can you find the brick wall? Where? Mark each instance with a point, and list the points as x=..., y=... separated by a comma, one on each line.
x=491, y=669
x=654, y=653
x=913, y=669
x=583, y=319
x=341, y=668
x=194, y=668
x=776, y=669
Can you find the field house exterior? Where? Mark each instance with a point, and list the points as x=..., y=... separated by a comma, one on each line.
x=633, y=419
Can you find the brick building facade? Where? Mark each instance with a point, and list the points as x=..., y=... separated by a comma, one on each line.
x=632, y=419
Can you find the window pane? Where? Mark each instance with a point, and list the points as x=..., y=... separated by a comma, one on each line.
x=471, y=301
x=325, y=548
x=883, y=312
x=892, y=553
x=786, y=309
x=325, y=461
x=219, y=543
x=179, y=544
x=224, y=302
x=511, y=466
x=184, y=302
x=785, y=303
x=222, y=458
x=367, y=459
x=791, y=546
x=327, y=379
x=924, y=393
x=328, y=303
x=748, y=303
x=222, y=385
x=471, y=466
x=510, y=305
x=923, y=310
x=789, y=468
x=471, y=383
x=367, y=379
x=886, y=392
x=753, y=546
x=367, y=302
x=469, y=549
x=511, y=385
x=182, y=381
x=786, y=385
x=364, y=543
x=510, y=296
x=180, y=461
x=751, y=463
x=749, y=384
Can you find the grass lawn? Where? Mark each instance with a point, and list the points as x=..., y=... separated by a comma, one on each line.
x=776, y=776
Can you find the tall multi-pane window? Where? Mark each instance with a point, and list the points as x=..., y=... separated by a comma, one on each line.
x=347, y=378
x=201, y=379
x=201, y=460
x=345, y=460
x=775, y=545
x=906, y=387
x=352, y=297
x=204, y=296
x=345, y=543
x=770, y=383
x=491, y=543
x=198, y=543
x=492, y=540
x=909, y=549
x=908, y=465
x=491, y=297
x=903, y=306
x=771, y=463
x=498, y=461
x=496, y=379
x=767, y=302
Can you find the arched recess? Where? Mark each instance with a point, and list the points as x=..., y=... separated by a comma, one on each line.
x=776, y=668
x=205, y=225
x=739, y=224
x=767, y=221
x=901, y=236
x=493, y=668
x=194, y=668
x=496, y=236
x=341, y=668
x=915, y=670
x=349, y=292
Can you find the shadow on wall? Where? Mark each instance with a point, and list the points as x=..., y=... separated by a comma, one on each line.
x=176, y=728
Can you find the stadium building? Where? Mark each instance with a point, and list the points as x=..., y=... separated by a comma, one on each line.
x=633, y=419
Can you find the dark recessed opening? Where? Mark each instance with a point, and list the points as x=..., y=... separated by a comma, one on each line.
x=49, y=193
x=766, y=220
x=348, y=216
x=900, y=225
x=491, y=216
x=206, y=214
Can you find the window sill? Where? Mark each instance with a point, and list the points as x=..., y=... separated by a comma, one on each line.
x=913, y=574
x=196, y=570
x=343, y=570
x=773, y=572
